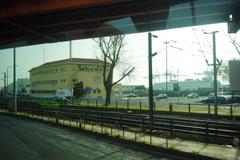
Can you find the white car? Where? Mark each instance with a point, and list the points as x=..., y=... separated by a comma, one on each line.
x=192, y=95
x=161, y=96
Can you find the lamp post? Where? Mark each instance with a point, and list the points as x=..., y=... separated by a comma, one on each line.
x=150, y=95
x=150, y=77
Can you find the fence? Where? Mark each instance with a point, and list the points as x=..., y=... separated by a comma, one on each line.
x=231, y=110
x=224, y=109
x=168, y=127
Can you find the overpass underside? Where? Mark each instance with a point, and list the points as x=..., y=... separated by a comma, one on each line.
x=31, y=22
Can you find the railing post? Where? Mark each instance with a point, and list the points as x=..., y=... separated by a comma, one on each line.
x=189, y=108
x=80, y=122
x=135, y=137
x=209, y=109
x=87, y=102
x=151, y=136
x=207, y=132
x=143, y=124
x=56, y=117
x=111, y=130
x=154, y=105
x=167, y=142
x=85, y=120
x=96, y=103
x=170, y=106
x=140, y=105
x=101, y=123
x=171, y=127
x=127, y=105
x=231, y=110
x=116, y=104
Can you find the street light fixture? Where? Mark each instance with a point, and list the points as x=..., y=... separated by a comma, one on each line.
x=150, y=55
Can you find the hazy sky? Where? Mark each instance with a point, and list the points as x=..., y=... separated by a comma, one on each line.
x=183, y=54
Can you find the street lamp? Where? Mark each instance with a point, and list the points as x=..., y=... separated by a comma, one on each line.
x=150, y=55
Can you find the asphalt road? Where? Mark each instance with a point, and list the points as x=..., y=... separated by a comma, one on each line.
x=31, y=140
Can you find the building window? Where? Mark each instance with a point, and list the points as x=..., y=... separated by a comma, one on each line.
x=63, y=80
x=75, y=80
x=96, y=80
x=63, y=69
x=45, y=92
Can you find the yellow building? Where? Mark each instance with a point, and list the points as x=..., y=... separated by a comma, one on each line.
x=58, y=78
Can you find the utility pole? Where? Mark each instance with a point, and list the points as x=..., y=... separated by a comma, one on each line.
x=14, y=80
x=214, y=72
x=166, y=43
x=150, y=98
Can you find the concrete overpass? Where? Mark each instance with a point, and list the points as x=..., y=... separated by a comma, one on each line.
x=28, y=22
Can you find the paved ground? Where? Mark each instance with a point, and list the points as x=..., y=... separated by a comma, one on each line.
x=30, y=140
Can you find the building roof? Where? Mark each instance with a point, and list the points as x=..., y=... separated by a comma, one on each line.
x=70, y=61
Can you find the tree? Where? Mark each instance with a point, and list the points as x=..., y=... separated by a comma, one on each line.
x=111, y=50
x=223, y=71
x=78, y=90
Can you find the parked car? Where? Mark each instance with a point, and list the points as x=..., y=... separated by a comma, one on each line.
x=161, y=96
x=192, y=95
x=235, y=99
x=221, y=100
x=131, y=95
x=61, y=99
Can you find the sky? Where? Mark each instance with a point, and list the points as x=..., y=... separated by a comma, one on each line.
x=185, y=57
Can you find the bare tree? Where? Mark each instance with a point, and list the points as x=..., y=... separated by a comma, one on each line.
x=111, y=49
x=223, y=71
x=233, y=41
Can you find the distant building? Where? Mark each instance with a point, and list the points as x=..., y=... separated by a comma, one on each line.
x=132, y=88
x=234, y=76
x=58, y=78
x=117, y=90
x=188, y=84
x=22, y=87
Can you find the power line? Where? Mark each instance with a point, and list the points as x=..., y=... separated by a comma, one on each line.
x=200, y=46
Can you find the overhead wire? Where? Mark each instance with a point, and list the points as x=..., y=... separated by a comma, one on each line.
x=200, y=46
